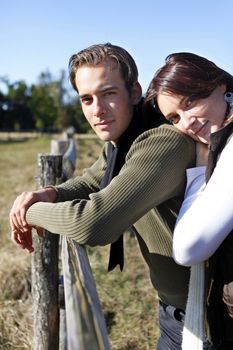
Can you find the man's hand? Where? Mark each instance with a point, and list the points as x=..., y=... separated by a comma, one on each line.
x=24, y=239
x=21, y=231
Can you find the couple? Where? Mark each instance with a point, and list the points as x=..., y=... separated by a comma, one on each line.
x=139, y=178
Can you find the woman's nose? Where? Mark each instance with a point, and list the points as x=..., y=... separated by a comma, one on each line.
x=188, y=122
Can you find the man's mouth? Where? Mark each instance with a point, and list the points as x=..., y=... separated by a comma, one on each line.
x=104, y=123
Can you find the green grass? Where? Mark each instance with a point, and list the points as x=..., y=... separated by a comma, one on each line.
x=127, y=298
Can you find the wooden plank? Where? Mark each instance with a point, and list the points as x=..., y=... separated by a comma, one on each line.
x=86, y=328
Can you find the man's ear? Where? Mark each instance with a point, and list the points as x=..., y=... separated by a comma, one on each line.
x=136, y=92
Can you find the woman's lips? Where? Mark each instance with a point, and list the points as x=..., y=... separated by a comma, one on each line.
x=202, y=130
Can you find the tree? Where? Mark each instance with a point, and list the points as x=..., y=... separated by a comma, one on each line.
x=48, y=105
x=44, y=102
x=14, y=110
x=70, y=111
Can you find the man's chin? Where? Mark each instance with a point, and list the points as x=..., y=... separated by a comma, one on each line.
x=105, y=137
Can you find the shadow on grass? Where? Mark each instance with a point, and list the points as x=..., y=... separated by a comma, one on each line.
x=131, y=345
x=109, y=319
x=14, y=140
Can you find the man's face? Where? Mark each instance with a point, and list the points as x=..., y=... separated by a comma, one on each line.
x=106, y=103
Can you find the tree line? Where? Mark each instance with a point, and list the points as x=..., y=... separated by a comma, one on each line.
x=49, y=105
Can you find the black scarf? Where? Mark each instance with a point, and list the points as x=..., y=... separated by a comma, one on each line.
x=218, y=142
x=115, y=161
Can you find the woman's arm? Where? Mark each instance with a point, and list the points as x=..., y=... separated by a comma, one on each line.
x=206, y=217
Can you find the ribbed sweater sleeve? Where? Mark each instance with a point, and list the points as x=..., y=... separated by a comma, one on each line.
x=154, y=172
x=82, y=186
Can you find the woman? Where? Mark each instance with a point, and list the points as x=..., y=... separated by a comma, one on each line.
x=197, y=97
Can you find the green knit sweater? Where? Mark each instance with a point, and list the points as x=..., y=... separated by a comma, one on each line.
x=146, y=194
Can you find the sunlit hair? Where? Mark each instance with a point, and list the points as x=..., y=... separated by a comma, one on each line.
x=187, y=75
x=100, y=53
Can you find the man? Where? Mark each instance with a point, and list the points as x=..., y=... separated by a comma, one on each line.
x=138, y=181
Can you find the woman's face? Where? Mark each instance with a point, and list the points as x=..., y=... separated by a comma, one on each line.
x=197, y=118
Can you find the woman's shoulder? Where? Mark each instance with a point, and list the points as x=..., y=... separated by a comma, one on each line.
x=168, y=131
x=165, y=140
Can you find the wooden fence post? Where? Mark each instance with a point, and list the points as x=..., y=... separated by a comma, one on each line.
x=86, y=328
x=45, y=277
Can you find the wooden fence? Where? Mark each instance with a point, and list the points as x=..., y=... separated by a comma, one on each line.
x=66, y=316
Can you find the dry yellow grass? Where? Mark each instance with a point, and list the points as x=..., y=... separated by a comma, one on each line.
x=128, y=300
x=17, y=172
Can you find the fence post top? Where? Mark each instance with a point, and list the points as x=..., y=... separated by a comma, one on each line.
x=69, y=132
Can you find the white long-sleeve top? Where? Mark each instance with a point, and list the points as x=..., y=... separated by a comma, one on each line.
x=206, y=215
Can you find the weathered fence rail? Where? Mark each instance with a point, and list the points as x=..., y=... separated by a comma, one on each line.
x=82, y=325
x=86, y=327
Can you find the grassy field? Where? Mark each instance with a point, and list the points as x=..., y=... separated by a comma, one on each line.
x=127, y=298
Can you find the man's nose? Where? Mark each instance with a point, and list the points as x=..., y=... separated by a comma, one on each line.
x=98, y=107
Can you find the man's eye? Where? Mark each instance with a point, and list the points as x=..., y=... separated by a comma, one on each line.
x=108, y=93
x=174, y=119
x=86, y=100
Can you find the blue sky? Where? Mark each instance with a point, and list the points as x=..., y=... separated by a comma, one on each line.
x=36, y=36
